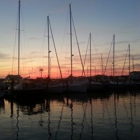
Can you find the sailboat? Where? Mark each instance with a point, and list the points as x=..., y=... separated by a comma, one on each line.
x=129, y=84
x=115, y=83
x=94, y=85
x=23, y=89
x=74, y=84
x=54, y=86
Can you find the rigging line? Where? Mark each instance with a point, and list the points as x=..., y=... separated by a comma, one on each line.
x=86, y=54
x=42, y=44
x=124, y=62
x=65, y=31
x=96, y=49
x=78, y=47
x=64, y=35
x=55, y=50
x=19, y=48
x=14, y=53
x=108, y=57
x=25, y=37
x=14, y=43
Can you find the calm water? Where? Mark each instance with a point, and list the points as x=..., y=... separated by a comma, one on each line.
x=76, y=116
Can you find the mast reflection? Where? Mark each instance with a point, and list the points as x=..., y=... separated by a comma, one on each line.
x=72, y=123
x=84, y=116
x=47, y=107
x=91, y=119
x=17, y=122
x=58, y=127
x=131, y=114
x=11, y=107
x=115, y=115
x=2, y=105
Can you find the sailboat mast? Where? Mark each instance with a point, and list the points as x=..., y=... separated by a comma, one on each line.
x=133, y=63
x=90, y=53
x=19, y=39
x=129, y=57
x=102, y=64
x=113, y=55
x=48, y=48
x=70, y=37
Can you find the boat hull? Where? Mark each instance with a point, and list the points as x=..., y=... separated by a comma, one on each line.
x=96, y=86
x=55, y=89
x=80, y=88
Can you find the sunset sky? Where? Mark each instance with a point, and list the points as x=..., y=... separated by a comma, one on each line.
x=101, y=18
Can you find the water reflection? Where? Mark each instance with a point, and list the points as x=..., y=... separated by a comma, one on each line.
x=72, y=122
x=131, y=115
x=91, y=119
x=115, y=114
x=59, y=121
x=42, y=107
x=11, y=107
x=75, y=116
x=49, y=122
x=17, y=122
x=2, y=105
x=84, y=117
x=135, y=105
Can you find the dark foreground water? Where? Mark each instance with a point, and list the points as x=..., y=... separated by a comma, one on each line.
x=76, y=117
